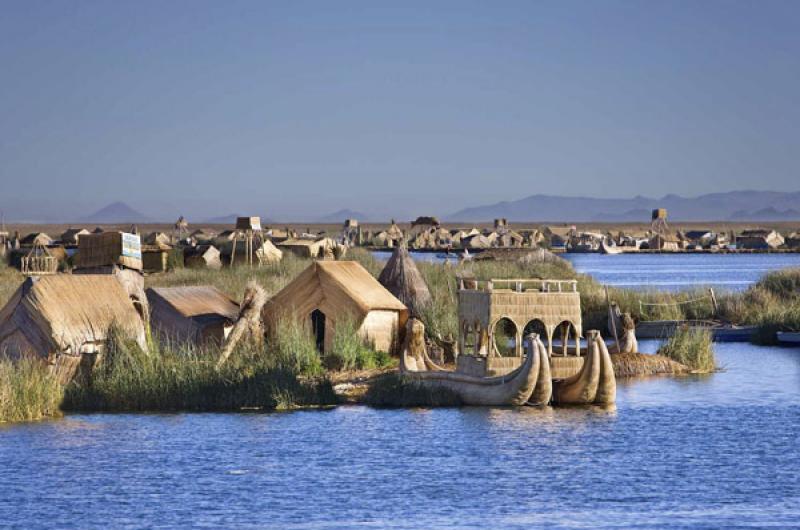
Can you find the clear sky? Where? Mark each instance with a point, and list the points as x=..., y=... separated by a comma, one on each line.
x=296, y=109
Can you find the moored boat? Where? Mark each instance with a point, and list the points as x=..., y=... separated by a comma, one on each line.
x=789, y=337
x=663, y=329
x=605, y=248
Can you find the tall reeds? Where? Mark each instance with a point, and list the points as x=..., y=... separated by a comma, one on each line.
x=27, y=391
x=169, y=379
x=692, y=347
x=350, y=351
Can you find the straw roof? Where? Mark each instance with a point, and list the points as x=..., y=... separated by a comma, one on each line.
x=196, y=301
x=62, y=313
x=36, y=238
x=70, y=235
x=401, y=277
x=336, y=287
x=157, y=238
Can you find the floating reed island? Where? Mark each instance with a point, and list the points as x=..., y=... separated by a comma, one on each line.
x=258, y=319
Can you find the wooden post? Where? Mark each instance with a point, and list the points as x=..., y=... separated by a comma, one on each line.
x=713, y=300
x=233, y=248
x=613, y=319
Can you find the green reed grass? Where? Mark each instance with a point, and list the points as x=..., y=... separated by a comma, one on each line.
x=692, y=347
x=350, y=351
x=10, y=280
x=28, y=391
x=292, y=345
x=166, y=379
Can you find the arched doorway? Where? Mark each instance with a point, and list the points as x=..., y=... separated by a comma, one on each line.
x=504, y=334
x=565, y=337
x=534, y=326
x=318, y=328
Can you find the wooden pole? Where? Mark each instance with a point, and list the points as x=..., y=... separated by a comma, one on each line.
x=233, y=249
x=713, y=300
x=613, y=318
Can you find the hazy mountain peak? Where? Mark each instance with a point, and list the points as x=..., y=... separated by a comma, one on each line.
x=115, y=213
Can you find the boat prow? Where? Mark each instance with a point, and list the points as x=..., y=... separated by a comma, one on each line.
x=514, y=388
x=594, y=383
x=605, y=248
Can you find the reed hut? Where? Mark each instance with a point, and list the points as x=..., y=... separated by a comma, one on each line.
x=198, y=315
x=401, y=277
x=118, y=255
x=157, y=239
x=264, y=252
x=36, y=239
x=559, y=236
x=104, y=249
x=202, y=257
x=161, y=258
x=71, y=235
x=321, y=248
x=203, y=236
x=329, y=291
x=665, y=242
x=759, y=239
x=65, y=319
x=793, y=240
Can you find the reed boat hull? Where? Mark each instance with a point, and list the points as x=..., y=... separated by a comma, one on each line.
x=595, y=383
x=513, y=388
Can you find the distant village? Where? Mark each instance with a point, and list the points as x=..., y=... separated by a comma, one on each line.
x=205, y=247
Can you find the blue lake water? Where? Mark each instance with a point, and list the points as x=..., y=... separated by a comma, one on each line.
x=681, y=271
x=718, y=451
x=671, y=272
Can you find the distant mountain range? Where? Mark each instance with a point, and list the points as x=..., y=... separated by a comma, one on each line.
x=728, y=206
x=116, y=213
x=741, y=206
x=340, y=216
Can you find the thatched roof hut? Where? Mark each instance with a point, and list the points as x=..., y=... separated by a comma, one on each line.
x=103, y=249
x=202, y=257
x=198, y=314
x=70, y=235
x=329, y=291
x=155, y=257
x=157, y=238
x=36, y=238
x=401, y=277
x=264, y=252
x=63, y=317
x=322, y=248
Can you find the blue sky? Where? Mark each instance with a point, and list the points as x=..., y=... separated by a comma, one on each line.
x=295, y=109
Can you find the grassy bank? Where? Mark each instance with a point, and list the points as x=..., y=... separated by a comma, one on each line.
x=285, y=372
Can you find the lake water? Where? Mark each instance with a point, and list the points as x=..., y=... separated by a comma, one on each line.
x=671, y=272
x=681, y=271
x=718, y=451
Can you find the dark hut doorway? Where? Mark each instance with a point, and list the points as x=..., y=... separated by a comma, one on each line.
x=318, y=328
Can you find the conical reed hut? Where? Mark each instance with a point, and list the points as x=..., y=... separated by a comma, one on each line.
x=402, y=278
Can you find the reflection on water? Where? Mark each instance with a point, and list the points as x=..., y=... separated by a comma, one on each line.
x=712, y=451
